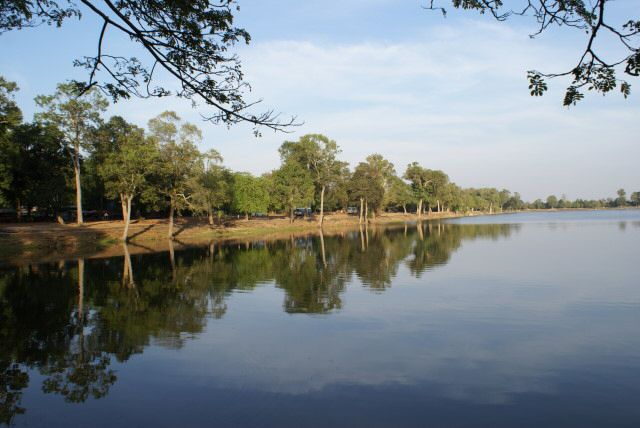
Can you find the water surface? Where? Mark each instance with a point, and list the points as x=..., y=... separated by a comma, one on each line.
x=514, y=320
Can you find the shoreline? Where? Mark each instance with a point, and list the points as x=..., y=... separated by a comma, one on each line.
x=31, y=243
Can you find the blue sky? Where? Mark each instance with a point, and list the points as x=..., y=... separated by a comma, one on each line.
x=387, y=76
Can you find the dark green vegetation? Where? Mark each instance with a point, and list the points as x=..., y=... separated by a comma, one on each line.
x=70, y=162
x=71, y=320
x=191, y=43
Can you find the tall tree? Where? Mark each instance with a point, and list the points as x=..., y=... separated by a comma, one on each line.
x=75, y=115
x=400, y=194
x=250, y=194
x=318, y=154
x=128, y=169
x=368, y=188
x=212, y=187
x=293, y=186
x=36, y=169
x=10, y=117
x=420, y=181
x=180, y=160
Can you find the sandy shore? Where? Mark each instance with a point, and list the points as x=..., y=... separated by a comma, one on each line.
x=22, y=243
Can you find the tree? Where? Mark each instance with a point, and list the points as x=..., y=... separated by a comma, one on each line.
x=367, y=186
x=621, y=200
x=293, y=186
x=250, y=194
x=10, y=117
x=420, y=181
x=36, y=169
x=400, y=194
x=180, y=160
x=593, y=71
x=317, y=154
x=190, y=42
x=103, y=140
x=635, y=198
x=552, y=201
x=75, y=116
x=127, y=171
x=212, y=188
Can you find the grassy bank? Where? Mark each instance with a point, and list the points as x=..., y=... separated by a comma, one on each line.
x=41, y=242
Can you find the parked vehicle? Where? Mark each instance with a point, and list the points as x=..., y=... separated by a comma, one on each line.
x=303, y=212
x=352, y=210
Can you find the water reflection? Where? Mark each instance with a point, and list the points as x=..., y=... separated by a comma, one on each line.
x=69, y=321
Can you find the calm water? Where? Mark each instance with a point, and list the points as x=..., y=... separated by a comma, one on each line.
x=515, y=320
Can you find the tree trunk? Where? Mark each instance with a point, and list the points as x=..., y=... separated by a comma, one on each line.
x=171, y=210
x=324, y=256
x=76, y=170
x=127, y=218
x=210, y=217
x=438, y=202
x=361, y=212
x=321, y=206
x=291, y=215
x=81, y=290
x=123, y=205
x=127, y=273
x=366, y=211
x=419, y=208
x=246, y=216
x=404, y=208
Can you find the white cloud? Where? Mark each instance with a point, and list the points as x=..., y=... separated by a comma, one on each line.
x=453, y=98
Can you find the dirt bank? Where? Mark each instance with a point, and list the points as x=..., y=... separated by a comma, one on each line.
x=41, y=242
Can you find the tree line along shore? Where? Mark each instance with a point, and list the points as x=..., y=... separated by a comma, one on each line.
x=71, y=163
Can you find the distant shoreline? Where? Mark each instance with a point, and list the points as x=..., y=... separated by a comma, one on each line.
x=26, y=243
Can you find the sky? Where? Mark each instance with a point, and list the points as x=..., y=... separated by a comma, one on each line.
x=389, y=77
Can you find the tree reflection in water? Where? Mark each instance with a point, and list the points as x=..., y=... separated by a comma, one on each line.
x=68, y=320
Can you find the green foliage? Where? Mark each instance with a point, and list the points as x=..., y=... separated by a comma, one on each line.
x=180, y=159
x=211, y=189
x=250, y=194
x=292, y=186
x=74, y=114
x=128, y=169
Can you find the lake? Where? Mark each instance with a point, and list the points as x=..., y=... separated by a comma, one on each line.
x=523, y=320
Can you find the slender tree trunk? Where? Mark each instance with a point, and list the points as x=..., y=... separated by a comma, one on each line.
x=419, y=208
x=404, y=208
x=76, y=170
x=123, y=204
x=127, y=273
x=171, y=210
x=210, y=217
x=18, y=209
x=246, y=216
x=127, y=218
x=81, y=290
x=366, y=211
x=324, y=256
x=172, y=260
x=291, y=215
x=362, y=239
x=420, y=231
x=361, y=212
x=438, y=202
x=321, y=206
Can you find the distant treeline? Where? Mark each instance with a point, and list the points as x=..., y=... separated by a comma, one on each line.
x=70, y=158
